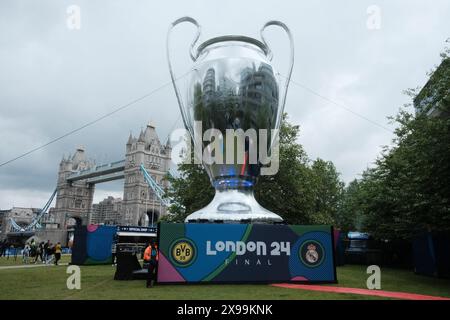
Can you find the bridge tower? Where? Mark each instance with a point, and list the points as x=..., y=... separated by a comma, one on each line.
x=73, y=199
x=140, y=205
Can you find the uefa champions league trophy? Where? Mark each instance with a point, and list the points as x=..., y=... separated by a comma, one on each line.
x=232, y=85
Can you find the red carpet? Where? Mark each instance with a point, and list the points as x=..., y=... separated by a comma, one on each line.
x=367, y=292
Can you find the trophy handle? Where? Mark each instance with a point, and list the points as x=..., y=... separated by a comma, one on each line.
x=291, y=60
x=194, y=56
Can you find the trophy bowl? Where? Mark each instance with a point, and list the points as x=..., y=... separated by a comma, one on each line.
x=231, y=89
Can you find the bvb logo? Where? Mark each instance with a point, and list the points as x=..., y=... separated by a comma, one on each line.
x=183, y=252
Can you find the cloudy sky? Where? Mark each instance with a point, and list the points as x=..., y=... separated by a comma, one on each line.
x=351, y=57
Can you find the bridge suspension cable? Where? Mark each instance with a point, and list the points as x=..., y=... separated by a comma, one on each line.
x=172, y=173
x=155, y=186
x=35, y=223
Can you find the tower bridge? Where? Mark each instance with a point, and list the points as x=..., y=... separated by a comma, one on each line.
x=144, y=171
x=98, y=174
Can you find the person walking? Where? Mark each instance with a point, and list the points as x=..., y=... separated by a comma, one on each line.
x=33, y=249
x=46, y=245
x=58, y=250
x=50, y=250
x=39, y=253
x=26, y=253
x=9, y=251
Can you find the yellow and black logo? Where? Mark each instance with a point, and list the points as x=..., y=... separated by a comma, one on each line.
x=183, y=252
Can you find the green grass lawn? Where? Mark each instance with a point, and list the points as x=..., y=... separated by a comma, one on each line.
x=97, y=283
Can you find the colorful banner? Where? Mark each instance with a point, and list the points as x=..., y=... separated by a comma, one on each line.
x=92, y=244
x=201, y=252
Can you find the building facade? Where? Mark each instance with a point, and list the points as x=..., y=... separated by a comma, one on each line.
x=107, y=211
x=73, y=199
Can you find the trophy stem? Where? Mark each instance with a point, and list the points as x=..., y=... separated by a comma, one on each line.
x=234, y=206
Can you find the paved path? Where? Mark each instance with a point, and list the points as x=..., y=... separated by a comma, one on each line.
x=24, y=266
x=367, y=292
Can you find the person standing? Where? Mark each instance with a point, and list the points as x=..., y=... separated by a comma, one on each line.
x=12, y=251
x=151, y=257
x=42, y=251
x=113, y=252
x=57, y=253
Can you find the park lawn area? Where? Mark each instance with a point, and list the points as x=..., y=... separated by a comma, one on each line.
x=97, y=283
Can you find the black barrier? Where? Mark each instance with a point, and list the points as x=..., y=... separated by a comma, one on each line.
x=127, y=263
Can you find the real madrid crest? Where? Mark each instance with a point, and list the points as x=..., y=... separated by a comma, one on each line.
x=311, y=253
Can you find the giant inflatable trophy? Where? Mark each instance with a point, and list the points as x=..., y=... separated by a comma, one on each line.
x=232, y=85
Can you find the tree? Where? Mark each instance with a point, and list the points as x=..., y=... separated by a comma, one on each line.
x=349, y=215
x=408, y=190
x=328, y=191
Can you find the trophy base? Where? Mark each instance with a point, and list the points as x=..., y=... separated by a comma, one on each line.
x=234, y=206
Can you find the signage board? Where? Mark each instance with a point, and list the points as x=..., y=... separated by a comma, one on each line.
x=230, y=253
